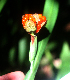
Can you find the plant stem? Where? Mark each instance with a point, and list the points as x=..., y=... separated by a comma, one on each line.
x=37, y=57
x=33, y=49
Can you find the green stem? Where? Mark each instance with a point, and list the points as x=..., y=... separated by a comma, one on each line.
x=32, y=54
x=31, y=73
x=33, y=48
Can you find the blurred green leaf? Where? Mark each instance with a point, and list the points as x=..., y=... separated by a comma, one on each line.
x=65, y=57
x=2, y=3
x=12, y=53
x=51, y=45
x=51, y=8
x=14, y=29
x=65, y=51
x=48, y=55
x=22, y=50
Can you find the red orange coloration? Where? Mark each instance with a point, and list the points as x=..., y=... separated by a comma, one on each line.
x=43, y=18
x=38, y=28
x=26, y=15
x=40, y=15
x=40, y=21
x=30, y=17
x=33, y=22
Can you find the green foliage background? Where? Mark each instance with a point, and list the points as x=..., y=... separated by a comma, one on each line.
x=15, y=41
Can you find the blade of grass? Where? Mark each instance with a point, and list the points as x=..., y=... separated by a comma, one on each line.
x=65, y=57
x=2, y=3
x=51, y=9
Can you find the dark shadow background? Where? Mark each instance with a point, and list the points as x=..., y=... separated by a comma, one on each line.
x=11, y=30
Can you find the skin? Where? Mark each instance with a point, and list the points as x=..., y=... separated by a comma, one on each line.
x=17, y=75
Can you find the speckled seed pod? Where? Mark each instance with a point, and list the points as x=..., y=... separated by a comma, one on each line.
x=33, y=22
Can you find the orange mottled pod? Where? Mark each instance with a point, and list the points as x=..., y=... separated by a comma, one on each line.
x=32, y=23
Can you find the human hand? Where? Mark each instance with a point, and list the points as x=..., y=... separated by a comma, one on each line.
x=17, y=75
